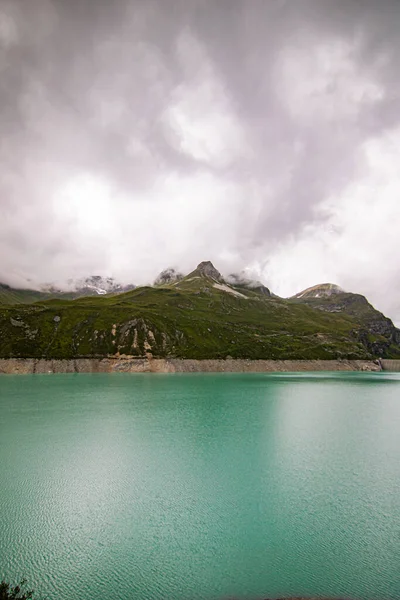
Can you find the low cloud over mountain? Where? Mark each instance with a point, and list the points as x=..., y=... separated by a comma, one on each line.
x=264, y=135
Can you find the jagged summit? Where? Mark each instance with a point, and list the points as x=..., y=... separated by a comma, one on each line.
x=207, y=269
x=97, y=285
x=207, y=276
x=322, y=290
x=168, y=276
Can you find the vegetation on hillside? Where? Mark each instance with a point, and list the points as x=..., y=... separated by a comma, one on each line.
x=196, y=317
x=377, y=332
x=16, y=592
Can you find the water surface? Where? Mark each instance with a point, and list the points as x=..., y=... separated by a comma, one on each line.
x=201, y=486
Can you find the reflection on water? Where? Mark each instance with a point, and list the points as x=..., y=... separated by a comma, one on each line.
x=201, y=486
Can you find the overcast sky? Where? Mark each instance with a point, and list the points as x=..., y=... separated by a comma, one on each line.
x=259, y=134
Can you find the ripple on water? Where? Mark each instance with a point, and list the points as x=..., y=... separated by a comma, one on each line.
x=202, y=487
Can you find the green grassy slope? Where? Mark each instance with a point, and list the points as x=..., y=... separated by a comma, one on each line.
x=10, y=295
x=199, y=317
x=376, y=331
x=190, y=320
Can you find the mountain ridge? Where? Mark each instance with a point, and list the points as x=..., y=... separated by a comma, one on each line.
x=201, y=316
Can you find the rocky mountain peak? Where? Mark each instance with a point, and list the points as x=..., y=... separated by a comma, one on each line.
x=93, y=285
x=168, y=276
x=322, y=290
x=207, y=269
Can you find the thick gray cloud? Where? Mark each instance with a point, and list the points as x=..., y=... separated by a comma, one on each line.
x=262, y=135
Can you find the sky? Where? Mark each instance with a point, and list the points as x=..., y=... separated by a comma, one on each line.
x=263, y=135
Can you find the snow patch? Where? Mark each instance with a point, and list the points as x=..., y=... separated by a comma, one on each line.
x=225, y=288
x=99, y=291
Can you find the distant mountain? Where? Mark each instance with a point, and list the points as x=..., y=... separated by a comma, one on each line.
x=100, y=285
x=205, y=270
x=201, y=315
x=206, y=275
x=241, y=280
x=168, y=276
x=9, y=295
x=322, y=290
x=89, y=286
x=377, y=332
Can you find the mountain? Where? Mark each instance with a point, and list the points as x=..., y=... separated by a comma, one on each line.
x=376, y=331
x=199, y=316
x=206, y=278
x=89, y=286
x=323, y=290
x=206, y=270
x=168, y=276
x=99, y=285
x=9, y=295
x=241, y=280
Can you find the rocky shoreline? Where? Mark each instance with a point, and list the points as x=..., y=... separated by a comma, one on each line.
x=175, y=365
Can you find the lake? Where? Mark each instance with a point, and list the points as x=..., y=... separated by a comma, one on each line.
x=201, y=486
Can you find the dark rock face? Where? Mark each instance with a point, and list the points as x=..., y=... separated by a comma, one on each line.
x=260, y=288
x=380, y=327
x=376, y=332
x=207, y=269
x=168, y=276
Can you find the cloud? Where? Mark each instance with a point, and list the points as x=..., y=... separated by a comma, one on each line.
x=357, y=245
x=321, y=80
x=263, y=136
x=202, y=121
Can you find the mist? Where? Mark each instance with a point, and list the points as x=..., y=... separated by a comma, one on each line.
x=263, y=136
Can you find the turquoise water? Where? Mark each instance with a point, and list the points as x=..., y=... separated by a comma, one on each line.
x=201, y=486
